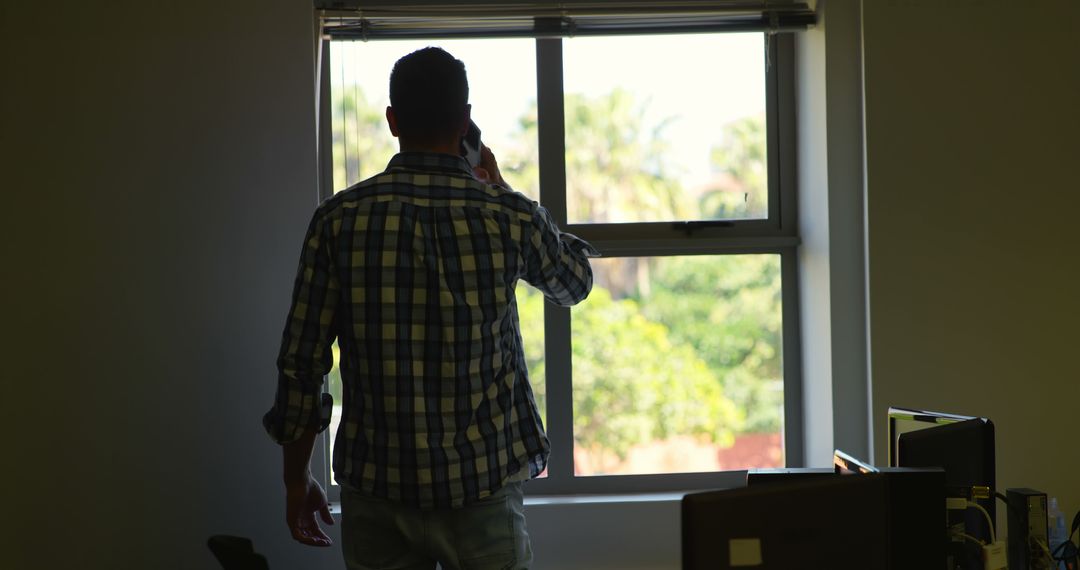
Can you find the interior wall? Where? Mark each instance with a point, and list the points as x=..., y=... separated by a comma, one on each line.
x=814, y=275
x=158, y=176
x=972, y=123
x=832, y=268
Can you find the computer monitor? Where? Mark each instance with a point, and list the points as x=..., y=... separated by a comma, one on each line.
x=845, y=464
x=964, y=448
x=904, y=420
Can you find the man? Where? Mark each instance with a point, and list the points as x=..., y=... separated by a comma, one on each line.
x=413, y=271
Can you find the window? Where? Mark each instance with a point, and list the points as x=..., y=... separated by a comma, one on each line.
x=672, y=154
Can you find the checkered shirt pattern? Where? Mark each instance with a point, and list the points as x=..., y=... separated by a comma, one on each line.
x=413, y=271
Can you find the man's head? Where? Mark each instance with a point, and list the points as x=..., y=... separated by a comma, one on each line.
x=429, y=99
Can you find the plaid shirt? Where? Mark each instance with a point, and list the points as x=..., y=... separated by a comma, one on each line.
x=413, y=271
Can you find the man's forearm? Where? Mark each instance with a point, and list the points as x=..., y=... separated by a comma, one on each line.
x=297, y=457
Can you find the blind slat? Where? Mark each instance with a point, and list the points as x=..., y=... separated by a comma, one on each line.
x=543, y=9
x=428, y=21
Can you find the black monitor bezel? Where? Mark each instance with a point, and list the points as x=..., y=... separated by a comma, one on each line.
x=912, y=414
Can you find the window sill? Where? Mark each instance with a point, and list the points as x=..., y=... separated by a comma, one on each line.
x=624, y=498
x=555, y=500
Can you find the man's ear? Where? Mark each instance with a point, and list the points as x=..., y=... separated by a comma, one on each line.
x=467, y=120
x=391, y=120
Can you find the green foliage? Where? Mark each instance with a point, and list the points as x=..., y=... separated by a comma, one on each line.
x=615, y=167
x=362, y=140
x=334, y=377
x=530, y=304
x=743, y=193
x=663, y=346
x=633, y=384
x=727, y=308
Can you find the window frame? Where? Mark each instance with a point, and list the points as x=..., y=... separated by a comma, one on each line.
x=778, y=234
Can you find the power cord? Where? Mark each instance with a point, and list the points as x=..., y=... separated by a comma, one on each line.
x=1066, y=552
x=967, y=536
x=989, y=521
x=1049, y=556
x=989, y=550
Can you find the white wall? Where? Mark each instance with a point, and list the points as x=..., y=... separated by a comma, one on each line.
x=158, y=173
x=972, y=123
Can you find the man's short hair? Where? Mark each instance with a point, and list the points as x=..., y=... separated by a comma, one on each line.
x=429, y=92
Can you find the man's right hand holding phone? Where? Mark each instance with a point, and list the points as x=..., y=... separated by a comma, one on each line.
x=488, y=170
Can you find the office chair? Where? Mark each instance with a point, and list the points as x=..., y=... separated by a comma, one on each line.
x=236, y=553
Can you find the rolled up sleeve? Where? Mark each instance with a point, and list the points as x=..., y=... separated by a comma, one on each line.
x=306, y=354
x=557, y=263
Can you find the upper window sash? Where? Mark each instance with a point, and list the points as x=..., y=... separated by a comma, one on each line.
x=778, y=229
x=357, y=19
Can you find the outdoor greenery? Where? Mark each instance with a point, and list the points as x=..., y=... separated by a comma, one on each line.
x=362, y=141
x=664, y=346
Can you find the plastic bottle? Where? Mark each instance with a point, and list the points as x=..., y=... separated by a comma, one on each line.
x=1056, y=521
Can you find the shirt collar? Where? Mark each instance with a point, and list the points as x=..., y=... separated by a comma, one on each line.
x=430, y=161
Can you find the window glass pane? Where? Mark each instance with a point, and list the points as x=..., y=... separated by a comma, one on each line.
x=502, y=91
x=677, y=365
x=663, y=128
x=334, y=387
x=531, y=316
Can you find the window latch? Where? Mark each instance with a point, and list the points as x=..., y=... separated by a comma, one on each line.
x=690, y=227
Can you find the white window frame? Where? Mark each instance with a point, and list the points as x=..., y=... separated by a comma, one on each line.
x=778, y=235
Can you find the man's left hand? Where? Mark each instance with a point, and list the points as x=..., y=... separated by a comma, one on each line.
x=302, y=500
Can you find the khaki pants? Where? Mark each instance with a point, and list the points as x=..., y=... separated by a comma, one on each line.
x=487, y=535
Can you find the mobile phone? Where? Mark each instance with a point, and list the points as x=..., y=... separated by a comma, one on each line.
x=471, y=145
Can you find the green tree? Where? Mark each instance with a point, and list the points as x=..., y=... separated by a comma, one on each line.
x=362, y=140
x=742, y=192
x=632, y=383
x=616, y=171
x=615, y=167
x=530, y=304
x=663, y=346
x=728, y=309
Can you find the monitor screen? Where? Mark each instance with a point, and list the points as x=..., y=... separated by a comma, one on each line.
x=962, y=449
x=845, y=464
x=904, y=420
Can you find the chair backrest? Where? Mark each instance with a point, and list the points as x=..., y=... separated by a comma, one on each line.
x=236, y=553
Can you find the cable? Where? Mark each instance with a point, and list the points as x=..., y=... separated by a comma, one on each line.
x=969, y=537
x=1049, y=556
x=1066, y=552
x=989, y=521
